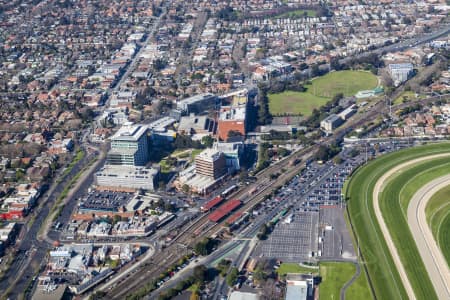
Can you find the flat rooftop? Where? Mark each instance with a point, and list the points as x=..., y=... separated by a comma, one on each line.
x=194, y=99
x=130, y=132
x=161, y=123
x=209, y=155
x=232, y=113
x=105, y=201
x=121, y=170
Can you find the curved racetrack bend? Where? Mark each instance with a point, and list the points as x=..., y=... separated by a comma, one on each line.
x=431, y=254
x=431, y=269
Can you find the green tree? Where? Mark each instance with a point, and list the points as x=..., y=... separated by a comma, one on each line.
x=232, y=276
x=185, y=188
x=200, y=273
x=264, y=116
x=259, y=274
x=207, y=141
x=204, y=247
x=315, y=70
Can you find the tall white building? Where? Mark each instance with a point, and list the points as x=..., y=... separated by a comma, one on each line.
x=400, y=72
x=129, y=146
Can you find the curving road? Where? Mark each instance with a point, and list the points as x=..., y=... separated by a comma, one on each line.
x=387, y=236
x=351, y=281
x=432, y=257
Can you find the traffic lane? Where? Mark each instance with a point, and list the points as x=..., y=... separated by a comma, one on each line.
x=30, y=237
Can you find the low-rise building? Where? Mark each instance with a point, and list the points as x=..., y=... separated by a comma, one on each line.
x=196, y=125
x=298, y=287
x=129, y=177
x=197, y=103
x=231, y=119
x=330, y=123
x=347, y=113
x=8, y=232
x=140, y=227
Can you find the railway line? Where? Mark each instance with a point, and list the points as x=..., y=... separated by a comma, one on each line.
x=264, y=186
x=186, y=238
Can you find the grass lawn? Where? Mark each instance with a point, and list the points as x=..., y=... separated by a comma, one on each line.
x=444, y=238
x=295, y=268
x=298, y=13
x=438, y=218
x=196, y=152
x=185, y=153
x=294, y=103
x=382, y=272
x=194, y=288
x=347, y=82
x=359, y=288
x=334, y=276
x=165, y=167
x=406, y=97
x=320, y=91
x=394, y=201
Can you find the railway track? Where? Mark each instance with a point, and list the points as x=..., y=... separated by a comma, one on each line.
x=171, y=254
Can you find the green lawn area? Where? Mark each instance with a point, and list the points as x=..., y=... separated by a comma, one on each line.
x=298, y=13
x=334, y=276
x=165, y=167
x=196, y=152
x=295, y=268
x=347, y=82
x=359, y=289
x=358, y=191
x=179, y=154
x=438, y=218
x=294, y=103
x=185, y=153
x=194, y=288
x=394, y=202
x=320, y=91
x=444, y=238
x=405, y=97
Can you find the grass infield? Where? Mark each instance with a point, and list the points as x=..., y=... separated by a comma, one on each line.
x=438, y=218
x=320, y=91
x=381, y=268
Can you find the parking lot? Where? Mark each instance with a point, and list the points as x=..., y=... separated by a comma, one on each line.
x=333, y=233
x=295, y=241
x=314, y=200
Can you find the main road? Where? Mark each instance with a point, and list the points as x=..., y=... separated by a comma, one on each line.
x=430, y=252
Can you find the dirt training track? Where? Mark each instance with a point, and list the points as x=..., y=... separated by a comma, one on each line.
x=431, y=254
x=389, y=242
